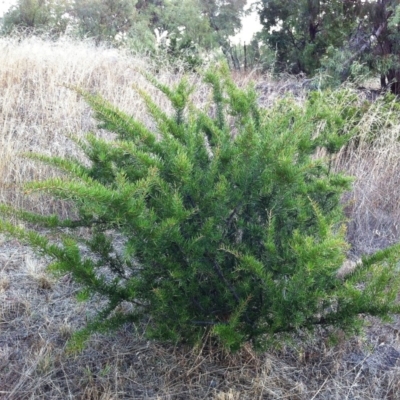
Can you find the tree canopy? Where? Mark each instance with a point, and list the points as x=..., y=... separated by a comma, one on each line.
x=342, y=38
x=307, y=31
x=206, y=23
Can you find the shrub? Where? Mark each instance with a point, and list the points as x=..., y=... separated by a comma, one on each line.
x=180, y=47
x=221, y=222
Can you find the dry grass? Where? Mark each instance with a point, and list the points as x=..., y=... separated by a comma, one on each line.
x=38, y=110
x=374, y=204
x=38, y=312
x=37, y=320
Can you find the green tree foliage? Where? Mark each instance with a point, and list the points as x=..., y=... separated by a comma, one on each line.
x=190, y=24
x=179, y=46
x=36, y=16
x=186, y=33
x=372, y=46
x=332, y=34
x=182, y=18
x=206, y=24
x=383, y=52
x=220, y=222
x=224, y=16
x=103, y=20
x=301, y=31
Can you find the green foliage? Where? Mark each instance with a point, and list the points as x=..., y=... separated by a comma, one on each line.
x=345, y=39
x=192, y=26
x=179, y=47
x=103, y=20
x=220, y=222
x=249, y=56
x=36, y=16
x=224, y=17
x=348, y=114
x=301, y=31
x=184, y=19
x=334, y=69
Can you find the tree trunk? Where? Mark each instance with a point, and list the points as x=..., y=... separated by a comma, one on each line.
x=313, y=30
x=383, y=81
x=393, y=77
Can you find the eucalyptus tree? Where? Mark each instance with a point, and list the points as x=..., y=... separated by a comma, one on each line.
x=307, y=32
x=301, y=31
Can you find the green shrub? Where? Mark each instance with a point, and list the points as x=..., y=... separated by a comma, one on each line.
x=221, y=222
x=180, y=47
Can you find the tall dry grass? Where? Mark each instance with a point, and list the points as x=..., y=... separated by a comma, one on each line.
x=373, y=159
x=39, y=109
x=38, y=312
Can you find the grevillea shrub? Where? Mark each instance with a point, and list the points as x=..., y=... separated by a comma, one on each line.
x=228, y=224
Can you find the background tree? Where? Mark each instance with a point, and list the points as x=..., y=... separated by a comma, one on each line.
x=224, y=16
x=301, y=31
x=33, y=16
x=184, y=18
x=192, y=26
x=308, y=34
x=208, y=23
x=186, y=33
x=103, y=20
x=225, y=21
x=383, y=50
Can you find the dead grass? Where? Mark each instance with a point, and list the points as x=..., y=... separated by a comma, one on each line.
x=373, y=206
x=38, y=312
x=39, y=110
x=37, y=321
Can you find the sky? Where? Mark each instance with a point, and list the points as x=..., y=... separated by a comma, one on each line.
x=5, y=5
x=250, y=23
